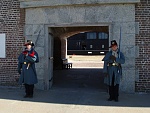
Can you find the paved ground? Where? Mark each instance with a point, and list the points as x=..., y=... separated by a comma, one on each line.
x=86, y=61
x=77, y=90
x=66, y=100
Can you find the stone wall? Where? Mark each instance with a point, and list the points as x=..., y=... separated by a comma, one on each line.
x=114, y=16
x=133, y=20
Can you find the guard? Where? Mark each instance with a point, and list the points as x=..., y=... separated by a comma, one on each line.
x=112, y=70
x=26, y=68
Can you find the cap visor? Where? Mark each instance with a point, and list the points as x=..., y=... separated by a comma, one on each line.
x=112, y=46
x=26, y=44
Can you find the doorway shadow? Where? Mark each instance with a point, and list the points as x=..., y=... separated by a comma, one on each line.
x=80, y=78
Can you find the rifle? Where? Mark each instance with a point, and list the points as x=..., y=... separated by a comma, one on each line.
x=37, y=39
x=119, y=43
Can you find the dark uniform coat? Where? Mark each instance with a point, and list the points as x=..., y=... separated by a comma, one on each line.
x=26, y=62
x=109, y=70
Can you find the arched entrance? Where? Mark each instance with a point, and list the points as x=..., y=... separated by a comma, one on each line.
x=84, y=77
x=54, y=18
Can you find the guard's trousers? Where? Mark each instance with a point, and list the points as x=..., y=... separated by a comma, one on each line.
x=114, y=90
x=29, y=89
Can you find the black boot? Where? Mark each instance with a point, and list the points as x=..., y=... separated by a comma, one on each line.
x=110, y=99
x=31, y=88
x=26, y=90
x=116, y=99
x=111, y=93
x=116, y=94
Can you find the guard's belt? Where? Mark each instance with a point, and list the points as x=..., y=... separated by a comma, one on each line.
x=24, y=62
x=114, y=64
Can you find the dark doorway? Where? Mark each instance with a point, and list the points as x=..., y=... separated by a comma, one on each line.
x=80, y=78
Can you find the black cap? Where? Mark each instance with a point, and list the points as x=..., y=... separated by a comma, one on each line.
x=29, y=42
x=113, y=43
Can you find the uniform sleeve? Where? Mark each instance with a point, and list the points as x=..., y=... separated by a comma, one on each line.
x=106, y=60
x=32, y=58
x=19, y=66
x=106, y=57
x=121, y=60
x=20, y=63
x=37, y=58
x=105, y=67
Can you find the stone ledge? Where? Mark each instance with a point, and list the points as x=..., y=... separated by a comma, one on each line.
x=45, y=3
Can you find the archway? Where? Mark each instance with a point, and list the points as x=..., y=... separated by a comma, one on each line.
x=86, y=78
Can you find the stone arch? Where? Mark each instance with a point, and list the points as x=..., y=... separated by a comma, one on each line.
x=55, y=14
x=65, y=32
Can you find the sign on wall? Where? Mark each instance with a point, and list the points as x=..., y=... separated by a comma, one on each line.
x=2, y=46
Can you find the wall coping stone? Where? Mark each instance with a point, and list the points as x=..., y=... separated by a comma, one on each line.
x=52, y=3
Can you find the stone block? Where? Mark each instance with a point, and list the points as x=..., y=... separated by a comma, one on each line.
x=63, y=15
x=40, y=51
x=136, y=75
x=41, y=62
x=51, y=15
x=127, y=83
x=39, y=41
x=137, y=29
x=35, y=16
x=127, y=39
x=28, y=29
x=38, y=29
x=80, y=14
x=42, y=3
x=40, y=73
x=129, y=51
x=40, y=84
x=129, y=63
x=136, y=51
x=126, y=27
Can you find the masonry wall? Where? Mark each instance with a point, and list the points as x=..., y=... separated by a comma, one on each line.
x=143, y=42
x=12, y=20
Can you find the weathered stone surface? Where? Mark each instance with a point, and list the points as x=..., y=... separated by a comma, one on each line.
x=129, y=63
x=40, y=51
x=126, y=39
x=136, y=75
x=84, y=14
x=40, y=84
x=128, y=81
x=38, y=29
x=41, y=62
x=129, y=51
x=35, y=16
x=114, y=15
x=39, y=3
x=40, y=73
x=28, y=29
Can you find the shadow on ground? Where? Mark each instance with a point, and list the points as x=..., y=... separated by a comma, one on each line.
x=85, y=78
x=77, y=87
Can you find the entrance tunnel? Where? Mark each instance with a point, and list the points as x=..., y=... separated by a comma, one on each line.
x=86, y=72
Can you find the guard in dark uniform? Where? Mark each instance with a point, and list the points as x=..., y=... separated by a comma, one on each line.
x=112, y=70
x=26, y=68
